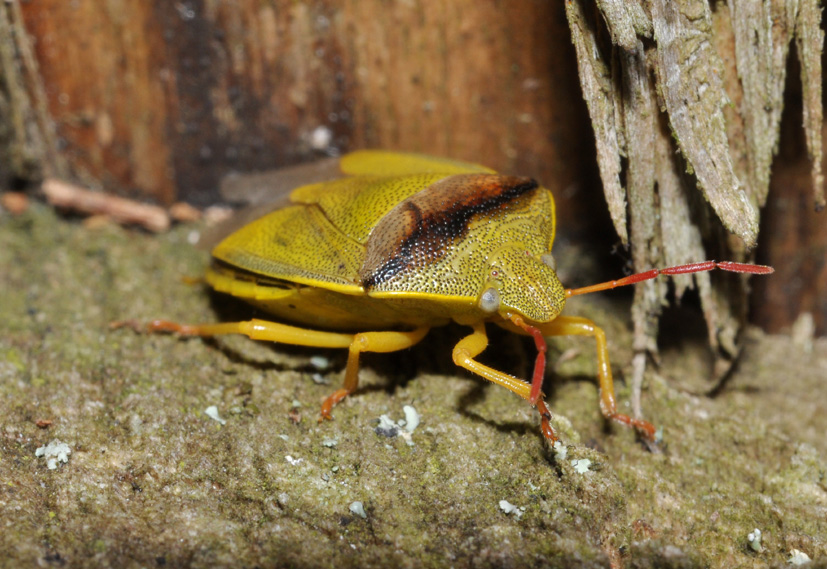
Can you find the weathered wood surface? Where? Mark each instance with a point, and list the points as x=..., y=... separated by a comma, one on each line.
x=704, y=81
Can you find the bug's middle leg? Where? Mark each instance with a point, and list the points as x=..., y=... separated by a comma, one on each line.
x=368, y=342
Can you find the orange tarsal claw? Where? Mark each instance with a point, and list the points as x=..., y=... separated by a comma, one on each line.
x=678, y=270
x=645, y=428
x=156, y=326
x=168, y=326
x=330, y=402
x=545, y=422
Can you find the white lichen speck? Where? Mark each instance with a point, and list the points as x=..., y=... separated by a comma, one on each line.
x=212, y=413
x=754, y=540
x=798, y=557
x=560, y=450
x=510, y=508
x=581, y=465
x=359, y=509
x=412, y=418
x=54, y=452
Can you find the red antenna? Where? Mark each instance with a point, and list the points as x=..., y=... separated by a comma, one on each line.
x=679, y=270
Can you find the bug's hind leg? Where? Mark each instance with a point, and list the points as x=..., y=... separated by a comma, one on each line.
x=257, y=330
x=576, y=326
x=368, y=342
x=276, y=332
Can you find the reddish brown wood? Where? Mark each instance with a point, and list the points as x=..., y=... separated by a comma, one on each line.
x=795, y=242
x=162, y=99
x=793, y=233
x=101, y=67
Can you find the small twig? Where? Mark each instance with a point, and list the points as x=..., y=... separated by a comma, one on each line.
x=14, y=202
x=183, y=212
x=638, y=368
x=65, y=195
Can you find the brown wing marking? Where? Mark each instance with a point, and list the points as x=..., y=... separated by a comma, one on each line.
x=422, y=228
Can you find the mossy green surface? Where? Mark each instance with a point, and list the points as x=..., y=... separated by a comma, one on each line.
x=154, y=481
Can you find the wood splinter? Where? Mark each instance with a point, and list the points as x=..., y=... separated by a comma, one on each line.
x=62, y=194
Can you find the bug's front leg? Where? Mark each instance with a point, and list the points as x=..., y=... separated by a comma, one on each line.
x=576, y=326
x=473, y=345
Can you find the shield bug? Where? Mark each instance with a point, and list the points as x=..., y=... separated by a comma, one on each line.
x=402, y=243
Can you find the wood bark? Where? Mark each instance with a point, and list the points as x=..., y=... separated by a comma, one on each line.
x=717, y=72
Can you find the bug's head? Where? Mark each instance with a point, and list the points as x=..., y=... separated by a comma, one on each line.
x=524, y=283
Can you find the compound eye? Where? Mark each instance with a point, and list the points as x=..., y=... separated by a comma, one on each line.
x=490, y=300
x=549, y=261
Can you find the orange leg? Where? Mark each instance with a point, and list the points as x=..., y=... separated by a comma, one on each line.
x=285, y=334
x=576, y=326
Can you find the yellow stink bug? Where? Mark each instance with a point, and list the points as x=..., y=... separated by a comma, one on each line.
x=400, y=244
